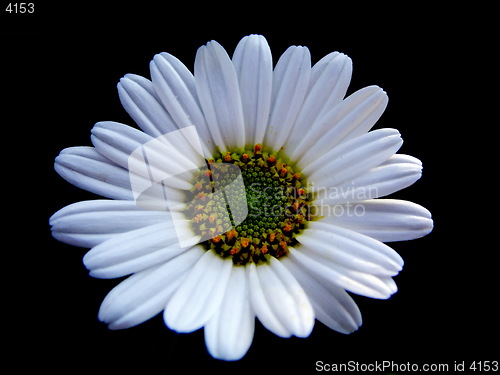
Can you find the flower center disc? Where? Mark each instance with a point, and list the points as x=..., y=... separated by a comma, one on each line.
x=248, y=205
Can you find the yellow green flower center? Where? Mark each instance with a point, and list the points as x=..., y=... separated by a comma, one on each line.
x=248, y=205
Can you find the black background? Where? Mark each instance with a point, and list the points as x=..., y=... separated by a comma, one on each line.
x=59, y=72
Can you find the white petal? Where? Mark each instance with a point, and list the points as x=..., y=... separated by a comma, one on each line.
x=278, y=300
x=121, y=143
x=391, y=284
x=335, y=70
x=89, y=223
x=200, y=295
x=385, y=219
x=353, y=158
x=261, y=306
x=117, y=141
x=176, y=89
x=290, y=83
x=330, y=78
x=144, y=294
x=335, y=274
x=140, y=100
x=332, y=305
x=300, y=321
x=398, y=172
x=253, y=63
x=183, y=74
x=229, y=334
x=135, y=251
x=350, y=249
x=219, y=95
x=87, y=169
x=352, y=117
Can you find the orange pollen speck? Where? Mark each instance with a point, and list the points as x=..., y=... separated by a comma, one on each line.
x=198, y=186
x=211, y=218
x=232, y=233
x=287, y=228
x=207, y=173
x=301, y=191
x=271, y=159
x=244, y=242
x=245, y=157
x=295, y=206
x=296, y=176
x=234, y=251
x=202, y=196
x=263, y=249
x=227, y=157
x=216, y=239
x=258, y=147
x=283, y=171
x=272, y=236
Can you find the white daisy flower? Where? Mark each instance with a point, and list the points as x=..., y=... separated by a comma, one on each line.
x=312, y=173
